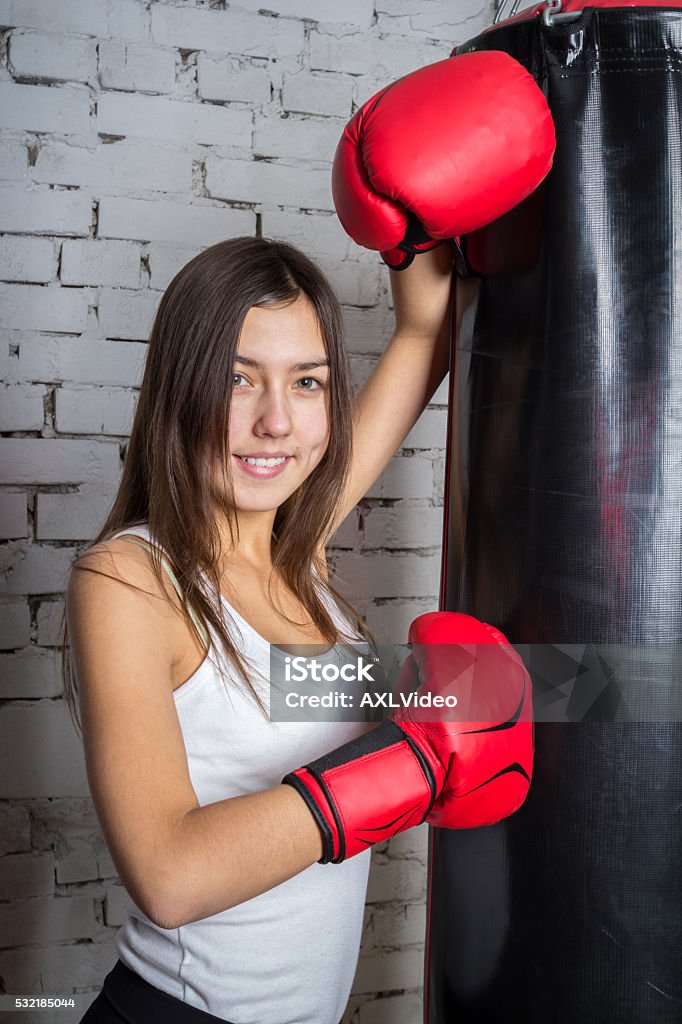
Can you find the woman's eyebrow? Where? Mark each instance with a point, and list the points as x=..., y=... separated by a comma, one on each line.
x=311, y=365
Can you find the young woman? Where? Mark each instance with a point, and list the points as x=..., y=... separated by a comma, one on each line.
x=246, y=453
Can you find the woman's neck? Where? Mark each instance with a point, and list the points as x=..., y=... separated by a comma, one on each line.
x=253, y=547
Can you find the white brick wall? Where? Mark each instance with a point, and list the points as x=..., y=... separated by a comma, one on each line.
x=13, y=518
x=134, y=68
x=116, y=264
x=39, y=108
x=123, y=167
x=27, y=259
x=24, y=209
x=134, y=134
x=55, y=58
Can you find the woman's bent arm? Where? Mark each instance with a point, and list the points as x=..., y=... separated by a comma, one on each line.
x=179, y=862
x=229, y=851
x=410, y=369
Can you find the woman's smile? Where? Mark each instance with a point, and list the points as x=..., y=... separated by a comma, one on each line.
x=262, y=465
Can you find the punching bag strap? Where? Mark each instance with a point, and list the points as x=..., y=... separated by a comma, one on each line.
x=551, y=15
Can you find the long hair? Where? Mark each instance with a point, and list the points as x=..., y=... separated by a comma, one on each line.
x=180, y=433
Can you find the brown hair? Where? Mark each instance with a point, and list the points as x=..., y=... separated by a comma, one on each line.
x=180, y=431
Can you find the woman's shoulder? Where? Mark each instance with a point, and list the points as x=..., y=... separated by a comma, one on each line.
x=124, y=552
x=119, y=570
x=116, y=595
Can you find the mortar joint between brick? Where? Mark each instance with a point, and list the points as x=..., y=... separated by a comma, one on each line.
x=186, y=76
x=56, y=489
x=199, y=179
x=32, y=434
x=94, y=218
x=49, y=408
x=145, y=269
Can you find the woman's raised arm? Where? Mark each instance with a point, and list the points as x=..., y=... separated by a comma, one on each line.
x=429, y=301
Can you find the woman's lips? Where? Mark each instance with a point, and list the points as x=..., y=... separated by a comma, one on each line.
x=263, y=472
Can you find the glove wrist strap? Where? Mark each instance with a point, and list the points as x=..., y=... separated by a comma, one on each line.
x=357, y=796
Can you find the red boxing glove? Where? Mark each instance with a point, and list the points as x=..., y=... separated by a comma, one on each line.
x=490, y=731
x=458, y=768
x=440, y=153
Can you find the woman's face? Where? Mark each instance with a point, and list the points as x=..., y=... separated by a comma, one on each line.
x=279, y=404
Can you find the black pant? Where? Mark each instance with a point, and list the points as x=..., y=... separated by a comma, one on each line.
x=126, y=998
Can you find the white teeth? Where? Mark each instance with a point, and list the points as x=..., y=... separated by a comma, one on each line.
x=263, y=462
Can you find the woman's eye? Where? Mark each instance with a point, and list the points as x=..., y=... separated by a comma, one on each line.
x=309, y=384
x=236, y=377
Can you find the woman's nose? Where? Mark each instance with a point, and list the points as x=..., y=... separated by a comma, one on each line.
x=274, y=415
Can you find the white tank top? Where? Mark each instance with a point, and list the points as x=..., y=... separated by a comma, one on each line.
x=289, y=955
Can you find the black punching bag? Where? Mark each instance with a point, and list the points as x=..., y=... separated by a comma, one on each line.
x=564, y=529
